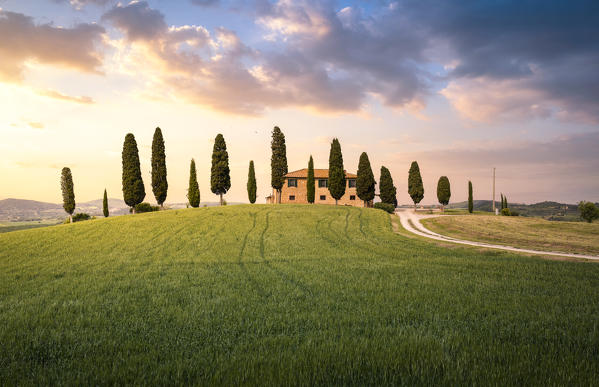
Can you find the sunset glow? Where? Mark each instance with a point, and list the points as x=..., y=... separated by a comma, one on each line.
x=402, y=81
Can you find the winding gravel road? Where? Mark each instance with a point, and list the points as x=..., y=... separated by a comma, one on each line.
x=411, y=222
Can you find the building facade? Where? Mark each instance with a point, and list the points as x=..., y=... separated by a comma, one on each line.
x=295, y=189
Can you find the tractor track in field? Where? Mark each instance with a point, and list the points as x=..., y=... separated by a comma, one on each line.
x=352, y=242
x=255, y=284
x=286, y=277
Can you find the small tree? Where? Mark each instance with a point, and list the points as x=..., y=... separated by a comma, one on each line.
x=220, y=180
x=336, y=172
x=443, y=191
x=470, y=200
x=365, y=183
x=193, y=192
x=133, y=186
x=105, y=204
x=310, y=188
x=588, y=211
x=387, y=191
x=252, y=183
x=415, y=186
x=159, y=182
x=278, y=161
x=68, y=192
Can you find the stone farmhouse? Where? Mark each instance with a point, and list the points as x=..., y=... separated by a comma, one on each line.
x=295, y=189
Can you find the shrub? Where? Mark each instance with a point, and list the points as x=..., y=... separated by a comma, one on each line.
x=145, y=207
x=390, y=208
x=506, y=212
x=514, y=213
x=80, y=217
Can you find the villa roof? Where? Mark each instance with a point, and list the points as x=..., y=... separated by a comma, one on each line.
x=318, y=174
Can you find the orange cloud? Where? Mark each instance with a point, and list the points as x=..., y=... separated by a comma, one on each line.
x=57, y=95
x=23, y=41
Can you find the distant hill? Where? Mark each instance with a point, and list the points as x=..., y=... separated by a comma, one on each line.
x=548, y=210
x=27, y=210
x=21, y=210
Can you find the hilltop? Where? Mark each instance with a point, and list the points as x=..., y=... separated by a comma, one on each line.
x=285, y=294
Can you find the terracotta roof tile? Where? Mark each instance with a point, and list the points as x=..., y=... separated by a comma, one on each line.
x=318, y=174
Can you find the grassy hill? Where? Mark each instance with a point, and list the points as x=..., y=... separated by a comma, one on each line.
x=527, y=233
x=282, y=295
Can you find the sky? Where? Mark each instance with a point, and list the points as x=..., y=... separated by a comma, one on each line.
x=460, y=86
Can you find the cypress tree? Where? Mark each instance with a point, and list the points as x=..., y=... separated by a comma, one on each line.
x=310, y=188
x=278, y=161
x=365, y=182
x=505, y=201
x=387, y=191
x=415, y=187
x=105, y=204
x=502, y=202
x=159, y=183
x=133, y=186
x=220, y=180
x=252, y=183
x=336, y=172
x=443, y=191
x=68, y=192
x=193, y=192
x=470, y=200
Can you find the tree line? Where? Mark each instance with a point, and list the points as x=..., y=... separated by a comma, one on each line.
x=220, y=179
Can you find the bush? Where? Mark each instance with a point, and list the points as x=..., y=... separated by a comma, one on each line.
x=506, y=212
x=514, y=213
x=81, y=217
x=145, y=207
x=390, y=208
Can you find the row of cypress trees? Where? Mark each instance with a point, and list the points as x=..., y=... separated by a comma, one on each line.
x=220, y=180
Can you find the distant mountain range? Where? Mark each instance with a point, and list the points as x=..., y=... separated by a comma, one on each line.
x=12, y=210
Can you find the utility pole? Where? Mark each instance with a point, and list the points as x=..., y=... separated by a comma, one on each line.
x=494, y=190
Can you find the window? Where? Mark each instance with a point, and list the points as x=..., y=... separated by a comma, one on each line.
x=291, y=182
x=323, y=183
x=351, y=183
x=352, y=197
x=291, y=197
x=323, y=197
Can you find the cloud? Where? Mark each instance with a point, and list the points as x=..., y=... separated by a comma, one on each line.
x=137, y=20
x=58, y=95
x=517, y=53
x=79, y=4
x=329, y=61
x=492, y=60
x=24, y=41
x=36, y=125
x=205, y=3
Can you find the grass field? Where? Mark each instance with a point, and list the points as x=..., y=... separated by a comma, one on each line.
x=530, y=233
x=285, y=295
x=16, y=226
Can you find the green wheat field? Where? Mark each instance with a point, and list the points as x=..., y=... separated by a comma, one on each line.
x=285, y=295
